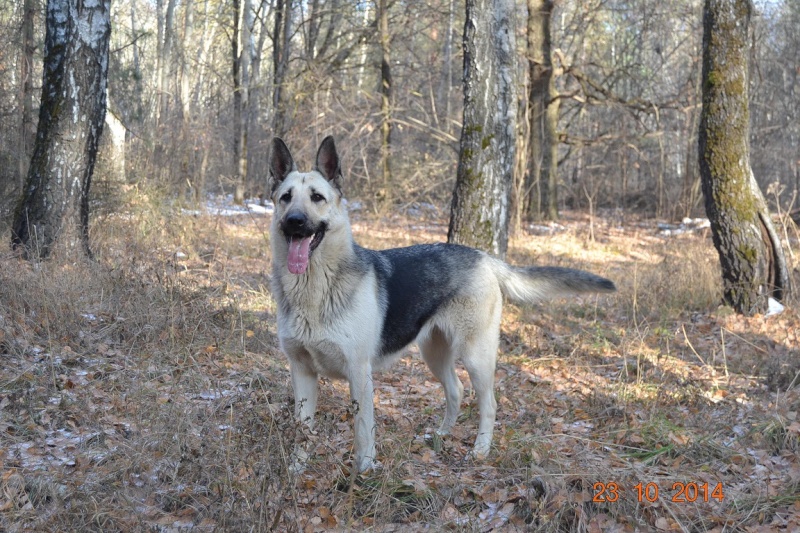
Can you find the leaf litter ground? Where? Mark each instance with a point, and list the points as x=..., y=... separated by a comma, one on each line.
x=146, y=392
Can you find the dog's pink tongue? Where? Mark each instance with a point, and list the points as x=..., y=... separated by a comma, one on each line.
x=298, y=254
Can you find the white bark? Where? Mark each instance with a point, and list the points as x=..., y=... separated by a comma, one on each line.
x=480, y=211
x=71, y=117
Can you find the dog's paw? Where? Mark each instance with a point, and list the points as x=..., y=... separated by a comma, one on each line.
x=482, y=447
x=479, y=453
x=367, y=464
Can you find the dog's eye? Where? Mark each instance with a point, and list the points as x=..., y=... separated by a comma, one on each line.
x=317, y=198
x=286, y=197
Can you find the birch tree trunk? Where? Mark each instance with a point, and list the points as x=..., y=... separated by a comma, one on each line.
x=480, y=209
x=753, y=264
x=55, y=205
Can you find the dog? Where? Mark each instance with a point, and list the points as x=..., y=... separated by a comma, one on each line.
x=345, y=311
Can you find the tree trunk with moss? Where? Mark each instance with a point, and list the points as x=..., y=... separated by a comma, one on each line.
x=55, y=206
x=479, y=214
x=753, y=263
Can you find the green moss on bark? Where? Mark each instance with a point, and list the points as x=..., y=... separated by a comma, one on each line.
x=733, y=202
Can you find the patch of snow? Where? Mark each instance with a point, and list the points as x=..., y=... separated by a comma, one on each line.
x=419, y=209
x=212, y=395
x=355, y=205
x=225, y=207
x=687, y=225
x=259, y=209
x=553, y=227
x=774, y=307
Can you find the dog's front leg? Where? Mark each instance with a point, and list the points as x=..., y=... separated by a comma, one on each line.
x=361, y=395
x=304, y=384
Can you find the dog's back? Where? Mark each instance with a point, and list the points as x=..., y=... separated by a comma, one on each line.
x=414, y=282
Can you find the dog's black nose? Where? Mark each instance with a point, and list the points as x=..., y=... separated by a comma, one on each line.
x=295, y=220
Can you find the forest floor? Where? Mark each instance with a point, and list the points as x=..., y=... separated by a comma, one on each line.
x=146, y=392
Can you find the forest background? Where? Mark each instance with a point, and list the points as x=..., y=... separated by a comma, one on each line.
x=144, y=390
x=202, y=86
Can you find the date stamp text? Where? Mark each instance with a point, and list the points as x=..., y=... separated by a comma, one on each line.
x=680, y=492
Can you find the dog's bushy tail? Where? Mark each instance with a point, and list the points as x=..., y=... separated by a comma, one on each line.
x=527, y=285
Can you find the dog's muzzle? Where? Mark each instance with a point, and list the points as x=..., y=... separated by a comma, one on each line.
x=303, y=239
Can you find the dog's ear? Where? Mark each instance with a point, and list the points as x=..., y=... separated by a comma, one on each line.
x=281, y=163
x=328, y=162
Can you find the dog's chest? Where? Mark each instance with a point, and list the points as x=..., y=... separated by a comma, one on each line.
x=314, y=312
x=335, y=323
x=329, y=351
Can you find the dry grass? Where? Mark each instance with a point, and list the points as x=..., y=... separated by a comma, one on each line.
x=145, y=392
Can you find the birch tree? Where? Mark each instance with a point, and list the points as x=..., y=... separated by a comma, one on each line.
x=73, y=107
x=753, y=264
x=480, y=207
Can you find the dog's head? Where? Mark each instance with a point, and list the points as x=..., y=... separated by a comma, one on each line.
x=306, y=203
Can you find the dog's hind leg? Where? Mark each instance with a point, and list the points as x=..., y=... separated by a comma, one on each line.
x=479, y=355
x=440, y=358
x=479, y=359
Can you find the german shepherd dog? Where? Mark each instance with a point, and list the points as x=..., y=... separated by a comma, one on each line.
x=345, y=311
